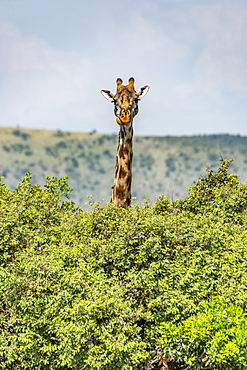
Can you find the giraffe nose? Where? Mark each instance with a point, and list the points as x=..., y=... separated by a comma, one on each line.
x=125, y=112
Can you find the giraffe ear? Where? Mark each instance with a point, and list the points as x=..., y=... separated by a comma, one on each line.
x=143, y=91
x=108, y=95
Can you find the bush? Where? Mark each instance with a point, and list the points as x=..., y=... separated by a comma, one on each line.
x=171, y=163
x=52, y=151
x=19, y=147
x=19, y=133
x=6, y=148
x=146, y=161
x=220, y=193
x=28, y=153
x=104, y=289
x=215, y=338
x=28, y=213
x=61, y=145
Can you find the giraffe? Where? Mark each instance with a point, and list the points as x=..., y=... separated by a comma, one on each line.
x=125, y=108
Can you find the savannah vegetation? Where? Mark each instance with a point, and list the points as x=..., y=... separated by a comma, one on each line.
x=105, y=289
x=161, y=165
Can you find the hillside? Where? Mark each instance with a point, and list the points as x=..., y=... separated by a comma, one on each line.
x=162, y=165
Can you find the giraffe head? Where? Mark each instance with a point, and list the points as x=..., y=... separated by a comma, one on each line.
x=125, y=100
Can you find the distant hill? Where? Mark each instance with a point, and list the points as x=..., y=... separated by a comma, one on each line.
x=162, y=165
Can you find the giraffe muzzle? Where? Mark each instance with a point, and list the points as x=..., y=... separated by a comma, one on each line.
x=123, y=121
x=124, y=117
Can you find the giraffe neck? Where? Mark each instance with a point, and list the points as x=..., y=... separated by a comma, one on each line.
x=121, y=190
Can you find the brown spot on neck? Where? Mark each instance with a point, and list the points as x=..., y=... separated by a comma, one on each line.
x=122, y=172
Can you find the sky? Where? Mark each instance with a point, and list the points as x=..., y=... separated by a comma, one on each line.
x=56, y=55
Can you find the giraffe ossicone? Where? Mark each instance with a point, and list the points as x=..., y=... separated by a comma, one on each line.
x=125, y=108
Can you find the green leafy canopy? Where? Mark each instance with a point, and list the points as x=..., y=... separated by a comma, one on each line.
x=104, y=289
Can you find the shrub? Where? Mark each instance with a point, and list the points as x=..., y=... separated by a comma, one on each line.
x=215, y=338
x=28, y=212
x=19, y=147
x=219, y=192
x=170, y=163
x=52, y=151
x=61, y=145
x=59, y=133
x=146, y=161
x=19, y=133
x=73, y=161
x=6, y=148
x=107, y=153
x=28, y=153
x=101, y=289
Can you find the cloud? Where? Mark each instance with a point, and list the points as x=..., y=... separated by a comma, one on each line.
x=192, y=53
x=216, y=39
x=208, y=39
x=143, y=34
x=222, y=66
x=38, y=78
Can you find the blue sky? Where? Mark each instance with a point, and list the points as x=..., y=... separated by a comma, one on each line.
x=56, y=55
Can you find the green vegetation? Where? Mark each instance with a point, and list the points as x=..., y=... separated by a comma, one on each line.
x=161, y=165
x=105, y=289
x=215, y=338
